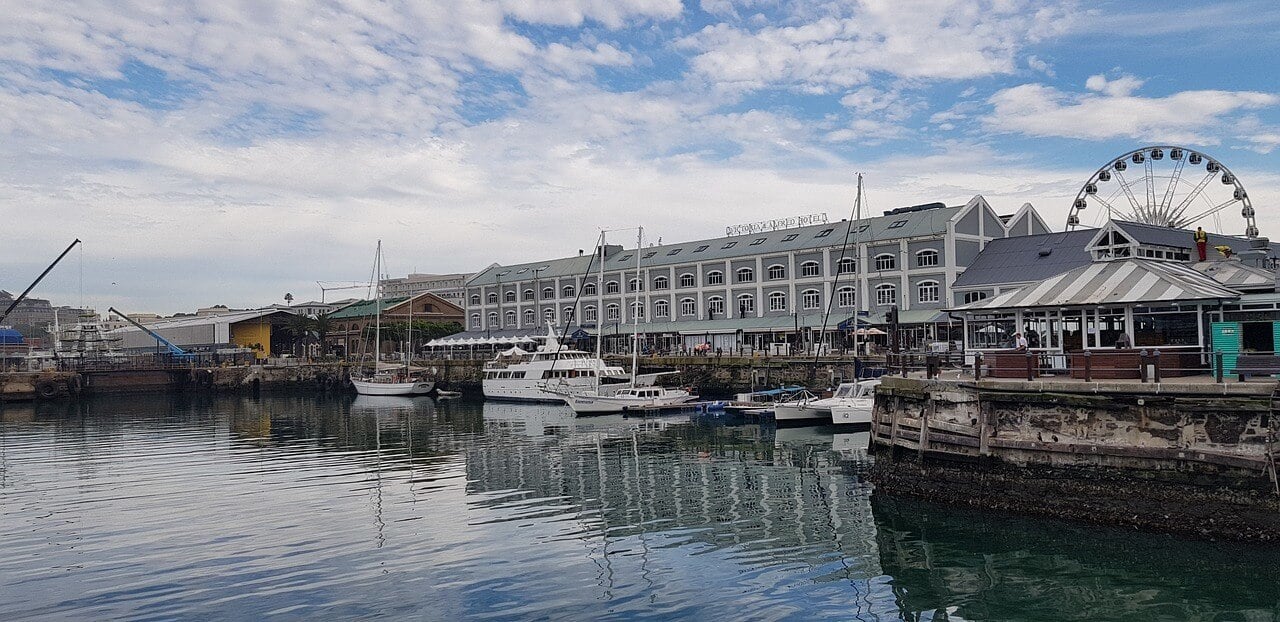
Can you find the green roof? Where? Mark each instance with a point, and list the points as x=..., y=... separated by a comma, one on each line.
x=365, y=308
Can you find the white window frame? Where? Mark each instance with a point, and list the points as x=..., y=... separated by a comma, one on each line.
x=749, y=274
x=611, y=287
x=590, y=314
x=933, y=254
x=886, y=294
x=886, y=261
x=811, y=299
x=810, y=266
x=777, y=301
x=688, y=280
x=921, y=288
x=688, y=307
x=715, y=277
x=509, y=296
x=847, y=297
x=661, y=282
x=846, y=265
x=777, y=272
x=568, y=291
x=662, y=308
x=613, y=312
x=548, y=293
x=715, y=306
x=746, y=304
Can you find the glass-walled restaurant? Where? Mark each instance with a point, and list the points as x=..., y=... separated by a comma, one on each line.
x=1078, y=329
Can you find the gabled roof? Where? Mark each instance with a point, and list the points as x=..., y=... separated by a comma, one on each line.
x=365, y=308
x=203, y=320
x=1182, y=238
x=1120, y=281
x=1026, y=259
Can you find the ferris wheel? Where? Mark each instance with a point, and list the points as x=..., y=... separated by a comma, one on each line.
x=1153, y=185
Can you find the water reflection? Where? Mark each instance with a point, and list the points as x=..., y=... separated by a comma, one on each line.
x=306, y=507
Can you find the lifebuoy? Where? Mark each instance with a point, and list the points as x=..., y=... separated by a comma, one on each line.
x=46, y=389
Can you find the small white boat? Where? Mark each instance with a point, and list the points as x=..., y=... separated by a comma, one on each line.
x=856, y=400
x=803, y=407
x=448, y=394
x=631, y=398
x=391, y=383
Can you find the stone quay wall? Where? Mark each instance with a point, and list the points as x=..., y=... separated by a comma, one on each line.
x=1193, y=459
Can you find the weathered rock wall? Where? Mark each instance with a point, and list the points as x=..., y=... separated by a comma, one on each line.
x=1183, y=460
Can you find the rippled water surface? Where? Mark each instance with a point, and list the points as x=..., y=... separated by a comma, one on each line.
x=324, y=508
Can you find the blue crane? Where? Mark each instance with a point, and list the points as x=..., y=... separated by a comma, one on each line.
x=173, y=349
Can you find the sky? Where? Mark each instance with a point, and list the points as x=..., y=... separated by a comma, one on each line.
x=232, y=152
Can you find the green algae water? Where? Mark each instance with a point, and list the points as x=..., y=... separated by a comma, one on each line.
x=299, y=507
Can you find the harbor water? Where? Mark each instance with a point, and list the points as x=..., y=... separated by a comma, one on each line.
x=302, y=507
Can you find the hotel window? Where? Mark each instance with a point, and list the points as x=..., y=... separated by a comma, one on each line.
x=612, y=311
x=746, y=275
x=624, y=258
x=688, y=307
x=511, y=318
x=568, y=315
x=824, y=233
x=661, y=282
x=661, y=308
x=886, y=261
x=970, y=297
x=927, y=258
x=729, y=245
x=568, y=291
x=810, y=268
x=746, y=304
x=649, y=254
x=777, y=272
x=777, y=301
x=589, y=289
x=810, y=299
x=475, y=299
x=493, y=319
x=528, y=317
x=845, y=297
x=791, y=237
x=701, y=248
x=846, y=265
x=492, y=297
x=897, y=224
x=528, y=294
x=715, y=277
x=637, y=309
x=475, y=320
x=686, y=280
x=633, y=285
x=611, y=287
x=674, y=251
x=589, y=313
x=758, y=241
x=927, y=291
x=715, y=305
x=886, y=295
x=548, y=292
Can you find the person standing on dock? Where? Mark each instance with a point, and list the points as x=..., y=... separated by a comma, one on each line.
x=1202, y=242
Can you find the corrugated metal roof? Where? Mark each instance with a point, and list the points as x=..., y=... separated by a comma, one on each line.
x=880, y=228
x=1112, y=282
x=1183, y=238
x=1236, y=274
x=201, y=320
x=1020, y=259
x=365, y=308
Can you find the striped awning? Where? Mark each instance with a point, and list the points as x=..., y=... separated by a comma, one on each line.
x=1120, y=281
x=1237, y=274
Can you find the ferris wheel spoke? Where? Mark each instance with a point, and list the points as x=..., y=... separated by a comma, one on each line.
x=1213, y=210
x=1166, y=204
x=1151, y=188
x=1128, y=192
x=1177, y=212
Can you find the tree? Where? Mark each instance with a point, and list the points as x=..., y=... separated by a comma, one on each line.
x=300, y=327
x=322, y=325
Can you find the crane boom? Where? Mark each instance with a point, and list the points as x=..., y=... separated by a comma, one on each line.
x=173, y=349
x=23, y=295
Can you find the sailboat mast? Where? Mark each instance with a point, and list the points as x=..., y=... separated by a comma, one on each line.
x=377, y=307
x=599, y=307
x=857, y=272
x=635, y=308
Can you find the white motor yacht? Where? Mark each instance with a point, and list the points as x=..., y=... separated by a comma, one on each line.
x=630, y=398
x=856, y=399
x=519, y=375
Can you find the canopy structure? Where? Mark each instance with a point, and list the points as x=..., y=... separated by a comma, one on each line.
x=478, y=338
x=1125, y=281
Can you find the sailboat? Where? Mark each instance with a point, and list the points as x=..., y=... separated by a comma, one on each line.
x=633, y=396
x=387, y=378
x=854, y=399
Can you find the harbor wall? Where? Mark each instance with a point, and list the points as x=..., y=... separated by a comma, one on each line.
x=1192, y=459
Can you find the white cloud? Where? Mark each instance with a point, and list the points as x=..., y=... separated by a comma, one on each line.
x=1120, y=87
x=920, y=39
x=1040, y=65
x=611, y=13
x=1186, y=117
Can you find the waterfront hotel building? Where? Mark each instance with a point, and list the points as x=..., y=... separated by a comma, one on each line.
x=747, y=292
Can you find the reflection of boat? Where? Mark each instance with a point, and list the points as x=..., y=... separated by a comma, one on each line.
x=855, y=400
x=448, y=394
x=385, y=404
x=537, y=419
x=855, y=443
x=814, y=435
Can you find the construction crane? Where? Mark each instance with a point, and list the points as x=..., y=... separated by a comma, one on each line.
x=17, y=301
x=350, y=285
x=173, y=349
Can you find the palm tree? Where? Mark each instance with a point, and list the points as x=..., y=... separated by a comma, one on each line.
x=322, y=325
x=300, y=326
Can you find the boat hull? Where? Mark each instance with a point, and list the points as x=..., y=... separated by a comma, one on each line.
x=600, y=404
x=855, y=412
x=800, y=413
x=366, y=387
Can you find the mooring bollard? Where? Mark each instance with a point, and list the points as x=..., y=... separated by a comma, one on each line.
x=1155, y=365
x=1031, y=374
x=1088, y=366
x=1217, y=366
x=1142, y=365
x=977, y=366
